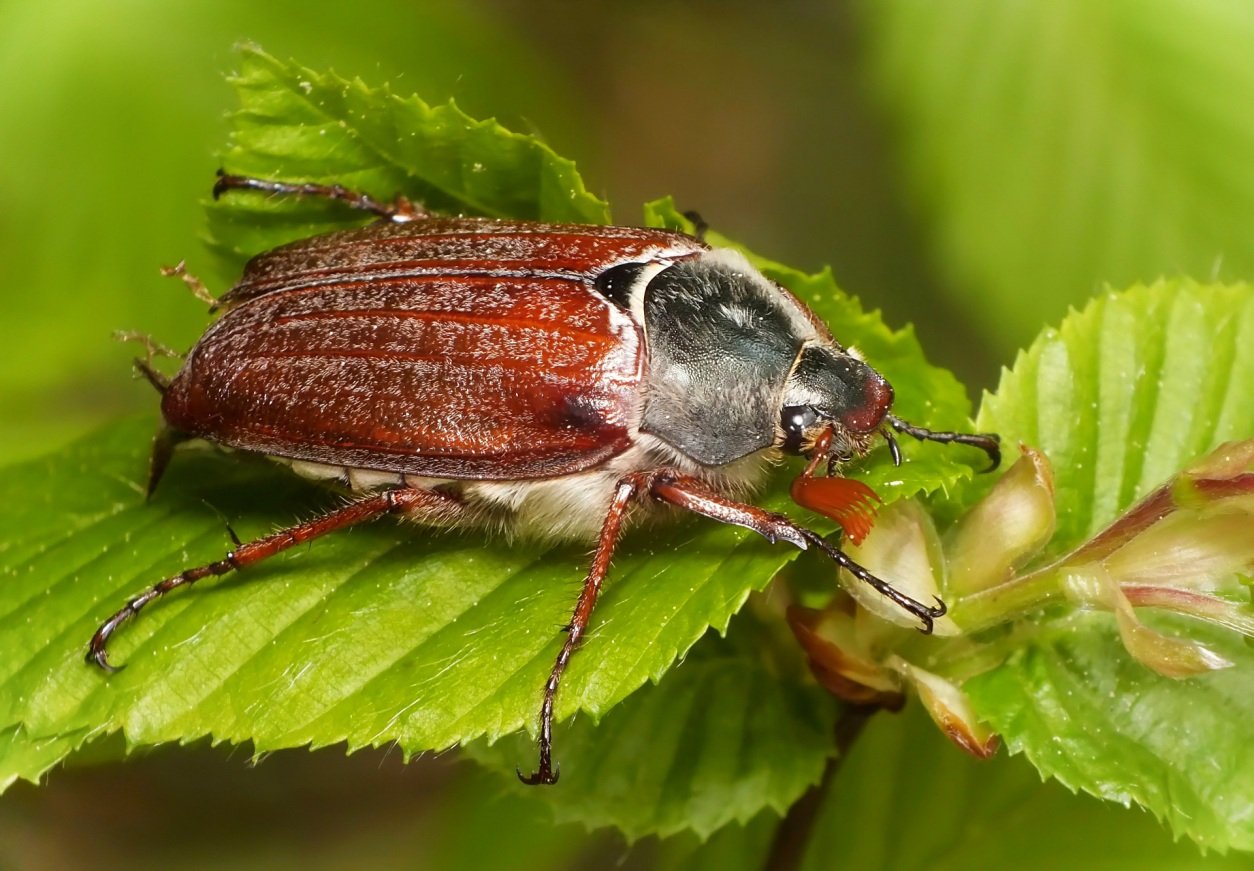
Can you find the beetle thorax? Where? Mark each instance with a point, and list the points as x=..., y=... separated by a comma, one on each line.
x=722, y=341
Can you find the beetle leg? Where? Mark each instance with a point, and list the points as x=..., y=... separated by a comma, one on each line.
x=989, y=443
x=163, y=445
x=699, y=225
x=423, y=504
x=159, y=380
x=893, y=449
x=399, y=210
x=626, y=490
x=194, y=284
x=152, y=349
x=688, y=492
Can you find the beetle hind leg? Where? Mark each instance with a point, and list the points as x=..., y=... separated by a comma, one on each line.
x=163, y=445
x=418, y=503
x=399, y=210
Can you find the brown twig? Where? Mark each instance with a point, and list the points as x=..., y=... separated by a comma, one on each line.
x=788, y=848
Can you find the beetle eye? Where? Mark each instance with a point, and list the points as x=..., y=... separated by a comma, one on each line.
x=795, y=420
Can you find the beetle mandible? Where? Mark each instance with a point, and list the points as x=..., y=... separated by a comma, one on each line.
x=545, y=378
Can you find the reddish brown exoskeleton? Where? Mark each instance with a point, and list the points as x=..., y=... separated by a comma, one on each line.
x=541, y=377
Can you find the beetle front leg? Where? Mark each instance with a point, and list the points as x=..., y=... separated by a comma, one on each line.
x=398, y=211
x=624, y=493
x=989, y=443
x=421, y=504
x=688, y=492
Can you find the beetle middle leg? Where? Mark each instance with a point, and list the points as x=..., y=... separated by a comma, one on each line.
x=685, y=491
x=399, y=210
x=423, y=505
x=628, y=487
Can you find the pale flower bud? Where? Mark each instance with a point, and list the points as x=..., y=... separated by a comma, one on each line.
x=1170, y=657
x=1186, y=539
x=839, y=660
x=949, y=708
x=903, y=546
x=1005, y=529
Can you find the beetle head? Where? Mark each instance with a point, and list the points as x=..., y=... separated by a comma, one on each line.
x=829, y=389
x=834, y=404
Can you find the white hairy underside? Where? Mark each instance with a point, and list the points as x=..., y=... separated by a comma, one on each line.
x=562, y=508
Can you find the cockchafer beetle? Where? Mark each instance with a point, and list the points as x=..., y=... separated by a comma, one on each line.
x=543, y=378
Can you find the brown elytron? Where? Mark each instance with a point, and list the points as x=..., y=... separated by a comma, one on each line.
x=451, y=348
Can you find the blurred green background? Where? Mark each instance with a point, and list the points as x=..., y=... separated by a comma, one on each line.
x=973, y=167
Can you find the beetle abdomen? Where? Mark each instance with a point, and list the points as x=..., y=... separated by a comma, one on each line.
x=453, y=376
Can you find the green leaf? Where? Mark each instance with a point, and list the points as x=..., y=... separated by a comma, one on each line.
x=385, y=634
x=730, y=848
x=382, y=634
x=1059, y=146
x=295, y=124
x=904, y=799
x=27, y=759
x=1121, y=397
x=724, y=735
x=1124, y=394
